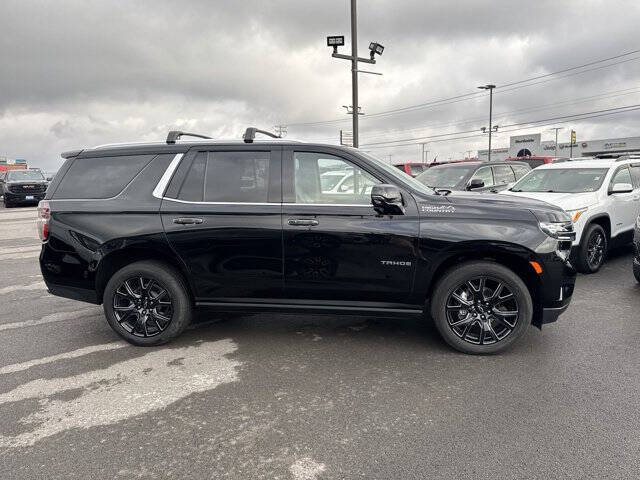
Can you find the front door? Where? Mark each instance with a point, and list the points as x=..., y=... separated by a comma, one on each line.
x=336, y=248
x=624, y=206
x=222, y=215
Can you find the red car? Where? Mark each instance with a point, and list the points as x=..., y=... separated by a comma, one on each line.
x=412, y=169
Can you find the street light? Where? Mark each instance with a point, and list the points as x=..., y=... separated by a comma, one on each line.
x=374, y=47
x=556, y=129
x=489, y=87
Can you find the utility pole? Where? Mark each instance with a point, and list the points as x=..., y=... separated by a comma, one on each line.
x=374, y=48
x=422, y=158
x=556, y=129
x=489, y=87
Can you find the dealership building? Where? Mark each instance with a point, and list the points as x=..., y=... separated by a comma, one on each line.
x=532, y=145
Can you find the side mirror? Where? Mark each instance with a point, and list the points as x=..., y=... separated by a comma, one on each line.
x=621, y=188
x=475, y=183
x=387, y=199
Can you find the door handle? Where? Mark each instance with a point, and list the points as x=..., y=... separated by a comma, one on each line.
x=187, y=221
x=303, y=222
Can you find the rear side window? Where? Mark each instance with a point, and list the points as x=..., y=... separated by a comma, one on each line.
x=227, y=177
x=100, y=177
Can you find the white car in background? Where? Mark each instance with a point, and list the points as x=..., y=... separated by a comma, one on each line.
x=601, y=195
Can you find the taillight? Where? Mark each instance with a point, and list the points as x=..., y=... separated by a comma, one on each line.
x=44, y=213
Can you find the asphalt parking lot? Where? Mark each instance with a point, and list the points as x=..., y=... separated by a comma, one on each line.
x=312, y=397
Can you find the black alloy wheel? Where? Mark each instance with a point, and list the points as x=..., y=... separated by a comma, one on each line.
x=142, y=306
x=481, y=307
x=482, y=310
x=595, y=249
x=592, y=252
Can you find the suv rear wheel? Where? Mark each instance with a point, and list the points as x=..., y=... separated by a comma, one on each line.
x=481, y=307
x=147, y=303
x=592, y=250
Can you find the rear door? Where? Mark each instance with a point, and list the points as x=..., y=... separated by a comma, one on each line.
x=336, y=248
x=222, y=215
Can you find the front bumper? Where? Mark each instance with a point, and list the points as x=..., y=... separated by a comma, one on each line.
x=557, y=283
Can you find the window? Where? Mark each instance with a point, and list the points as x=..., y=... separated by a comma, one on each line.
x=193, y=185
x=228, y=177
x=503, y=174
x=24, y=175
x=561, y=180
x=635, y=174
x=485, y=175
x=621, y=176
x=100, y=177
x=323, y=178
x=520, y=171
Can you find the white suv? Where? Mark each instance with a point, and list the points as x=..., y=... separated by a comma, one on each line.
x=602, y=197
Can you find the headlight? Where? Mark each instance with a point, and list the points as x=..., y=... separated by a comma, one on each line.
x=576, y=214
x=561, y=230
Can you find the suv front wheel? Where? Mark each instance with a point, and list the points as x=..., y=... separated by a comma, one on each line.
x=592, y=250
x=147, y=303
x=481, y=307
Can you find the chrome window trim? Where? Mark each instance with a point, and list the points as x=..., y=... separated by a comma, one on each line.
x=271, y=203
x=158, y=192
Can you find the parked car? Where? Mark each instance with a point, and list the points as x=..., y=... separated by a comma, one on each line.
x=636, y=250
x=412, y=169
x=22, y=187
x=476, y=176
x=342, y=182
x=536, y=161
x=174, y=226
x=602, y=197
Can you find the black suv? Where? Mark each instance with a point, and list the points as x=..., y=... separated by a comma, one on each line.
x=22, y=186
x=477, y=176
x=154, y=230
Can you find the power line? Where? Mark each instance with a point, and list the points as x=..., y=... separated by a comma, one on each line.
x=532, y=123
x=474, y=95
x=502, y=115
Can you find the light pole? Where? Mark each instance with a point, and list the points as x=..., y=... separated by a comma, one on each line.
x=374, y=48
x=556, y=129
x=489, y=87
x=422, y=159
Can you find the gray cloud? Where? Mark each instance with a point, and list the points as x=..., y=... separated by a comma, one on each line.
x=78, y=73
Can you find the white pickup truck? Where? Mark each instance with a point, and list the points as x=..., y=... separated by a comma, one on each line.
x=601, y=195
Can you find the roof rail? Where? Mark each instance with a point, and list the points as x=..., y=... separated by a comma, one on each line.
x=71, y=154
x=176, y=134
x=250, y=134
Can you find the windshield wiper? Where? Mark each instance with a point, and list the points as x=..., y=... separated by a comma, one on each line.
x=515, y=190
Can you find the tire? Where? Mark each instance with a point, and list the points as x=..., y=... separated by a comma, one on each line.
x=636, y=271
x=7, y=204
x=141, y=322
x=585, y=262
x=469, y=332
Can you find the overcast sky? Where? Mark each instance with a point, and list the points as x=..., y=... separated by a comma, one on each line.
x=81, y=73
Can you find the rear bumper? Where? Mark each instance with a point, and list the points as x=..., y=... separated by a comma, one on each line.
x=22, y=197
x=74, y=293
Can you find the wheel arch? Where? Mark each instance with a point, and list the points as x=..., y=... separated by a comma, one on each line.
x=117, y=259
x=514, y=257
x=603, y=220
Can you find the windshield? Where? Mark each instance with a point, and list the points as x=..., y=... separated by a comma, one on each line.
x=561, y=180
x=444, y=176
x=397, y=174
x=24, y=175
